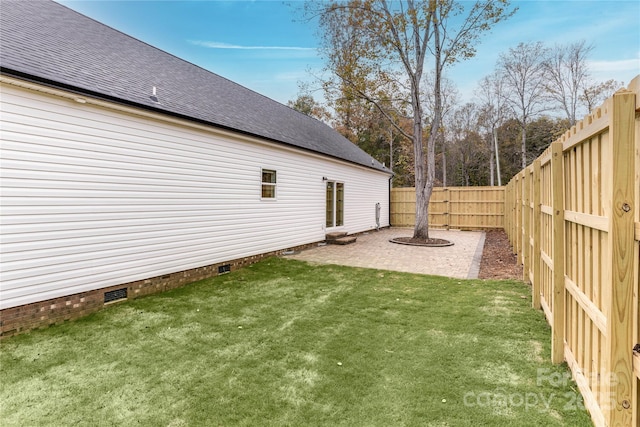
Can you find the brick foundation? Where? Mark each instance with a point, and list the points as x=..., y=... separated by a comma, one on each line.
x=40, y=314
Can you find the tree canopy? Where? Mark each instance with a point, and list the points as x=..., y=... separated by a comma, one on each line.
x=386, y=90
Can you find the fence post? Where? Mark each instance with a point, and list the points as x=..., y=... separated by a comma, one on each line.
x=514, y=215
x=635, y=86
x=619, y=363
x=518, y=224
x=507, y=212
x=558, y=292
x=447, y=208
x=505, y=207
x=537, y=216
x=526, y=224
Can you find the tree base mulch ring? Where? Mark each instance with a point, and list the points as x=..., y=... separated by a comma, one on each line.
x=421, y=242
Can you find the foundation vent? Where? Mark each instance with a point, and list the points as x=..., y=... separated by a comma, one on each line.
x=115, y=295
x=224, y=268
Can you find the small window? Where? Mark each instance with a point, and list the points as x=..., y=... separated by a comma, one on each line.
x=268, y=184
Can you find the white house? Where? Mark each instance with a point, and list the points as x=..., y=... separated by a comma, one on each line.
x=125, y=168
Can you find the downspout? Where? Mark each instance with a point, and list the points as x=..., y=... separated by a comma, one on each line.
x=389, y=199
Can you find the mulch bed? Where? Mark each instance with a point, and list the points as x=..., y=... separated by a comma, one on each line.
x=498, y=260
x=421, y=242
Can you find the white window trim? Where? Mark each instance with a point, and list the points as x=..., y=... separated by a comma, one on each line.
x=272, y=184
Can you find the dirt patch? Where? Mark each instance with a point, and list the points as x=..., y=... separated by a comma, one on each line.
x=498, y=260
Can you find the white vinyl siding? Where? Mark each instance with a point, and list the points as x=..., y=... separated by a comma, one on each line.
x=94, y=197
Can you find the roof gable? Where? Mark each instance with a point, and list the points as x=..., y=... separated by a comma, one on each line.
x=50, y=43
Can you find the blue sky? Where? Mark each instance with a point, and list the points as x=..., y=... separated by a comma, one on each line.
x=266, y=45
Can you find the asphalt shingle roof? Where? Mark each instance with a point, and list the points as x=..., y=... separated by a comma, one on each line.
x=50, y=43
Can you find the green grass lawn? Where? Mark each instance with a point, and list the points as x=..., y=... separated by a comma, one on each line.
x=286, y=343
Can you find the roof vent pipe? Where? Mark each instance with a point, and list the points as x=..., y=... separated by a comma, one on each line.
x=154, y=98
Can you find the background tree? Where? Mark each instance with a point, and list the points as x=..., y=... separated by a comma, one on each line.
x=522, y=71
x=469, y=150
x=377, y=50
x=449, y=101
x=306, y=104
x=542, y=132
x=494, y=112
x=566, y=74
x=372, y=133
x=364, y=125
x=593, y=94
x=510, y=133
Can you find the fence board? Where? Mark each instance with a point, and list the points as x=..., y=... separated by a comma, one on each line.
x=635, y=87
x=590, y=399
x=619, y=322
x=526, y=223
x=557, y=250
x=465, y=208
x=536, y=250
x=585, y=303
x=588, y=280
x=590, y=221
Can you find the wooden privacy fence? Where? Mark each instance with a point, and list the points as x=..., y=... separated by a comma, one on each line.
x=573, y=218
x=451, y=207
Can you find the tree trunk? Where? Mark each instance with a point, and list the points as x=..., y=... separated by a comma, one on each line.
x=495, y=144
x=423, y=194
x=421, y=230
x=444, y=165
x=426, y=177
x=391, y=154
x=524, y=145
x=491, y=162
x=465, y=170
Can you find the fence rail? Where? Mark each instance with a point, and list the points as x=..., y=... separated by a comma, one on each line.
x=573, y=218
x=465, y=208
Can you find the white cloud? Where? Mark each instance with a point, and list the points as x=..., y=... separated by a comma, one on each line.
x=615, y=66
x=291, y=76
x=218, y=45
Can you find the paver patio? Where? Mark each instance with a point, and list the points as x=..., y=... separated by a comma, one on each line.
x=373, y=250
